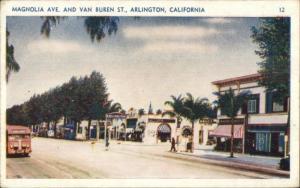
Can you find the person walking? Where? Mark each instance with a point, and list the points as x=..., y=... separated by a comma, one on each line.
x=173, y=145
x=107, y=141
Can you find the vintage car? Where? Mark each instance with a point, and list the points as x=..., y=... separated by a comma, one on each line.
x=18, y=140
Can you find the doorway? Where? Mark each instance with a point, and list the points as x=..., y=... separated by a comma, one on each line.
x=164, y=133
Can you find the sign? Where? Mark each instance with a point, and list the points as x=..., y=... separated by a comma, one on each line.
x=18, y=131
x=161, y=120
x=115, y=116
x=236, y=121
x=206, y=121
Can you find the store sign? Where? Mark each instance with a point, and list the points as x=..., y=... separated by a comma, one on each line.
x=236, y=121
x=161, y=120
x=206, y=121
x=115, y=116
x=18, y=131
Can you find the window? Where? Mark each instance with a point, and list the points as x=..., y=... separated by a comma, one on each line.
x=263, y=142
x=272, y=106
x=251, y=106
x=277, y=107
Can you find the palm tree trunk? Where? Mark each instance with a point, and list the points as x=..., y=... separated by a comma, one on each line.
x=192, y=143
x=88, y=129
x=75, y=129
x=231, y=139
x=55, y=129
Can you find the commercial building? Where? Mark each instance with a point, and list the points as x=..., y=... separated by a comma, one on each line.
x=202, y=130
x=261, y=125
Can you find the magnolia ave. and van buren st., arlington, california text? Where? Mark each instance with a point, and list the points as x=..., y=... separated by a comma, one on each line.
x=150, y=9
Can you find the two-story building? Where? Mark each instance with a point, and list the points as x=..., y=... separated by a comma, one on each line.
x=261, y=126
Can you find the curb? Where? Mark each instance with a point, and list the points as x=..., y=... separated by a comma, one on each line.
x=228, y=164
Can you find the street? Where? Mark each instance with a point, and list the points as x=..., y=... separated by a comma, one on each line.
x=53, y=158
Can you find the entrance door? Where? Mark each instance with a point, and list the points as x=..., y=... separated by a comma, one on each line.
x=274, y=143
x=93, y=132
x=164, y=133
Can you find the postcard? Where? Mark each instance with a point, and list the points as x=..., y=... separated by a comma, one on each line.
x=150, y=93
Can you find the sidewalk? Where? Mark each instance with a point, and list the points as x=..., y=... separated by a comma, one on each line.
x=266, y=161
x=206, y=154
x=262, y=164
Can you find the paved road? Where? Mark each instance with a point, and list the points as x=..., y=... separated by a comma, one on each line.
x=53, y=158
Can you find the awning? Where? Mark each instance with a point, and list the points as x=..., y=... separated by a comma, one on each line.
x=70, y=126
x=164, y=129
x=225, y=131
x=266, y=128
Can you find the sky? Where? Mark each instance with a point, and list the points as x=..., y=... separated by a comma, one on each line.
x=147, y=60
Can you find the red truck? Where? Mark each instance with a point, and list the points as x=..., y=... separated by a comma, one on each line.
x=18, y=140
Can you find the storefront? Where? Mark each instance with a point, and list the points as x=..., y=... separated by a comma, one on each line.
x=266, y=139
x=223, y=135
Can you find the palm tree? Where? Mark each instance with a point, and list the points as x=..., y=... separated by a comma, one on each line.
x=158, y=112
x=114, y=107
x=230, y=103
x=48, y=23
x=195, y=110
x=141, y=112
x=11, y=63
x=96, y=27
x=177, y=107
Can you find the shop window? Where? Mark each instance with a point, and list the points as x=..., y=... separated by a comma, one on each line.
x=281, y=142
x=263, y=142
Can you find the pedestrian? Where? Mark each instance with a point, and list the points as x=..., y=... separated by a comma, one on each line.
x=252, y=148
x=106, y=141
x=173, y=145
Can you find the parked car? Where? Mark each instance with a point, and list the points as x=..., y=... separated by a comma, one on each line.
x=284, y=163
x=50, y=133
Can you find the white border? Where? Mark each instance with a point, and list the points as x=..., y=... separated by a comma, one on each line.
x=213, y=9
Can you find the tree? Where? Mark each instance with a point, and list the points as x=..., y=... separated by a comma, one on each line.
x=11, y=63
x=230, y=103
x=141, y=112
x=114, y=107
x=48, y=23
x=96, y=27
x=273, y=39
x=158, y=112
x=177, y=108
x=195, y=110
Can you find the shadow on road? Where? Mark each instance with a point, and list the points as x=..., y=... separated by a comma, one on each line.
x=17, y=156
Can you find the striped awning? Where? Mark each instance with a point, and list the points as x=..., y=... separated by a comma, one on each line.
x=164, y=129
x=225, y=131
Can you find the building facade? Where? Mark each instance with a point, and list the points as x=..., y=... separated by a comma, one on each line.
x=202, y=130
x=261, y=126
